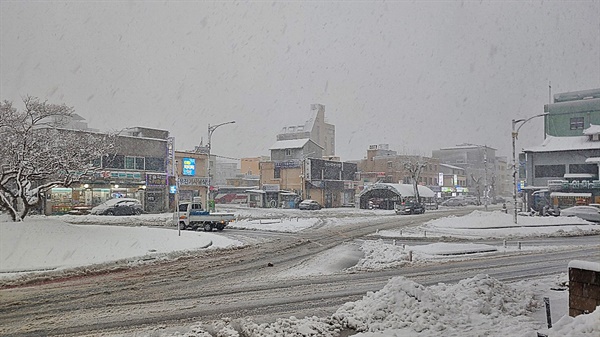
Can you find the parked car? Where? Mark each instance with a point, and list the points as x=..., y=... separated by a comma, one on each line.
x=589, y=213
x=455, y=202
x=118, y=206
x=309, y=204
x=409, y=207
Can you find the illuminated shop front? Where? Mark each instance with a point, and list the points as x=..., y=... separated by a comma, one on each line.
x=149, y=189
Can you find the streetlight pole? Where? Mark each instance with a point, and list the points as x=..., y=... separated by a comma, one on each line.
x=211, y=129
x=515, y=134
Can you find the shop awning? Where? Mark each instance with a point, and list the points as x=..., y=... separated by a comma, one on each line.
x=571, y=195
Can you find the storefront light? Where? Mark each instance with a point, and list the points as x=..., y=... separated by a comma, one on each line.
x=86, y=186
x=116, y=186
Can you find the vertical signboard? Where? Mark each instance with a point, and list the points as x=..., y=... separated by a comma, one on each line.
x=189, y=167
x=171, y=156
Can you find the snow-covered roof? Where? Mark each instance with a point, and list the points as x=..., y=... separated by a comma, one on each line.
x=592, y=130
x=405, y=190
x=452, y=166
x=467, y=146
x=292, y=144
x=289, y=144
x=552, y=144
x=593, y=160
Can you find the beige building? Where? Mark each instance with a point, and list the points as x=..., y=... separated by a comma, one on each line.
x=193, y=176
x=315, y=129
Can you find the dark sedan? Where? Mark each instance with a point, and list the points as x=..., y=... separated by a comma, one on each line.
x=409, y=207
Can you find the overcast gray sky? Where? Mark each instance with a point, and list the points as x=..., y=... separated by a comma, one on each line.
x=415, y=75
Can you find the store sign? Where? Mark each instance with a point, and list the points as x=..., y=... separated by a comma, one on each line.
x=440, y=179
x=199, y=181
x=271, y=187
x=121, y=175
x=288, y=164
x=156, y=179
x=189, y=167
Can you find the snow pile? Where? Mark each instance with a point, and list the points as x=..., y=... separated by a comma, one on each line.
x=405, y=308
x=378, y=255
x=478, y=306
x=162, y=219
x=579, y=326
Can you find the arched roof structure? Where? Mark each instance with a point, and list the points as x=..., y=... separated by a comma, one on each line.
x=393, y=192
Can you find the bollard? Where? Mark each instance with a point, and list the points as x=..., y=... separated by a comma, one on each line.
x=548, y=316
x=519, y=246
x=504, y=243
x=425, y=233
x=410, y=255
x=403, y=246
x=394, y=242
x=400, y=232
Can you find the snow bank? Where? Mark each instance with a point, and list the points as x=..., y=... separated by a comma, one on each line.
x=478, y=306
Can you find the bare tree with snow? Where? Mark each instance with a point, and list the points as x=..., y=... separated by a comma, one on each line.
x=37, y=154
x=414, y=167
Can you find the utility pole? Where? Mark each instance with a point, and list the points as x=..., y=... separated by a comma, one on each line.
x=211, y=129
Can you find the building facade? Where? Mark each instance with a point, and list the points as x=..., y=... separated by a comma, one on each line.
x=387, y=166
x=563, y=171
x=137, y=170
x=315, y=129
x=478, y=161
x=192, y=174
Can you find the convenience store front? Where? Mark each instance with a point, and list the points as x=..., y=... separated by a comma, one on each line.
x=150, y=189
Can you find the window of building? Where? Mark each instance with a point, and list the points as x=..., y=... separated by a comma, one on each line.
x=155, y=164
x=583, y=168
x=117, y=162
x=277, y=173
x=135, y=163
x=390, y=164
x=576, y=123
x=288, y=152
x=549, y=171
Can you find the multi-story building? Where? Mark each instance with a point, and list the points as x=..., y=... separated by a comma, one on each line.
x=478, y=161
x=192, y=173
x=502, y=177
x=296, y=171
x=137, y=170
x=564, y=168
x=387, y=166
x=572, y=112
x=452, y=181
x=315, y=129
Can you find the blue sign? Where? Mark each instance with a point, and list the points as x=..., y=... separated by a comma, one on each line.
x=189, y=166
x=173, y=189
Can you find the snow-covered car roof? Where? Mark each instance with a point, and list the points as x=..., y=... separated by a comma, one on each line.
x=111, y=202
